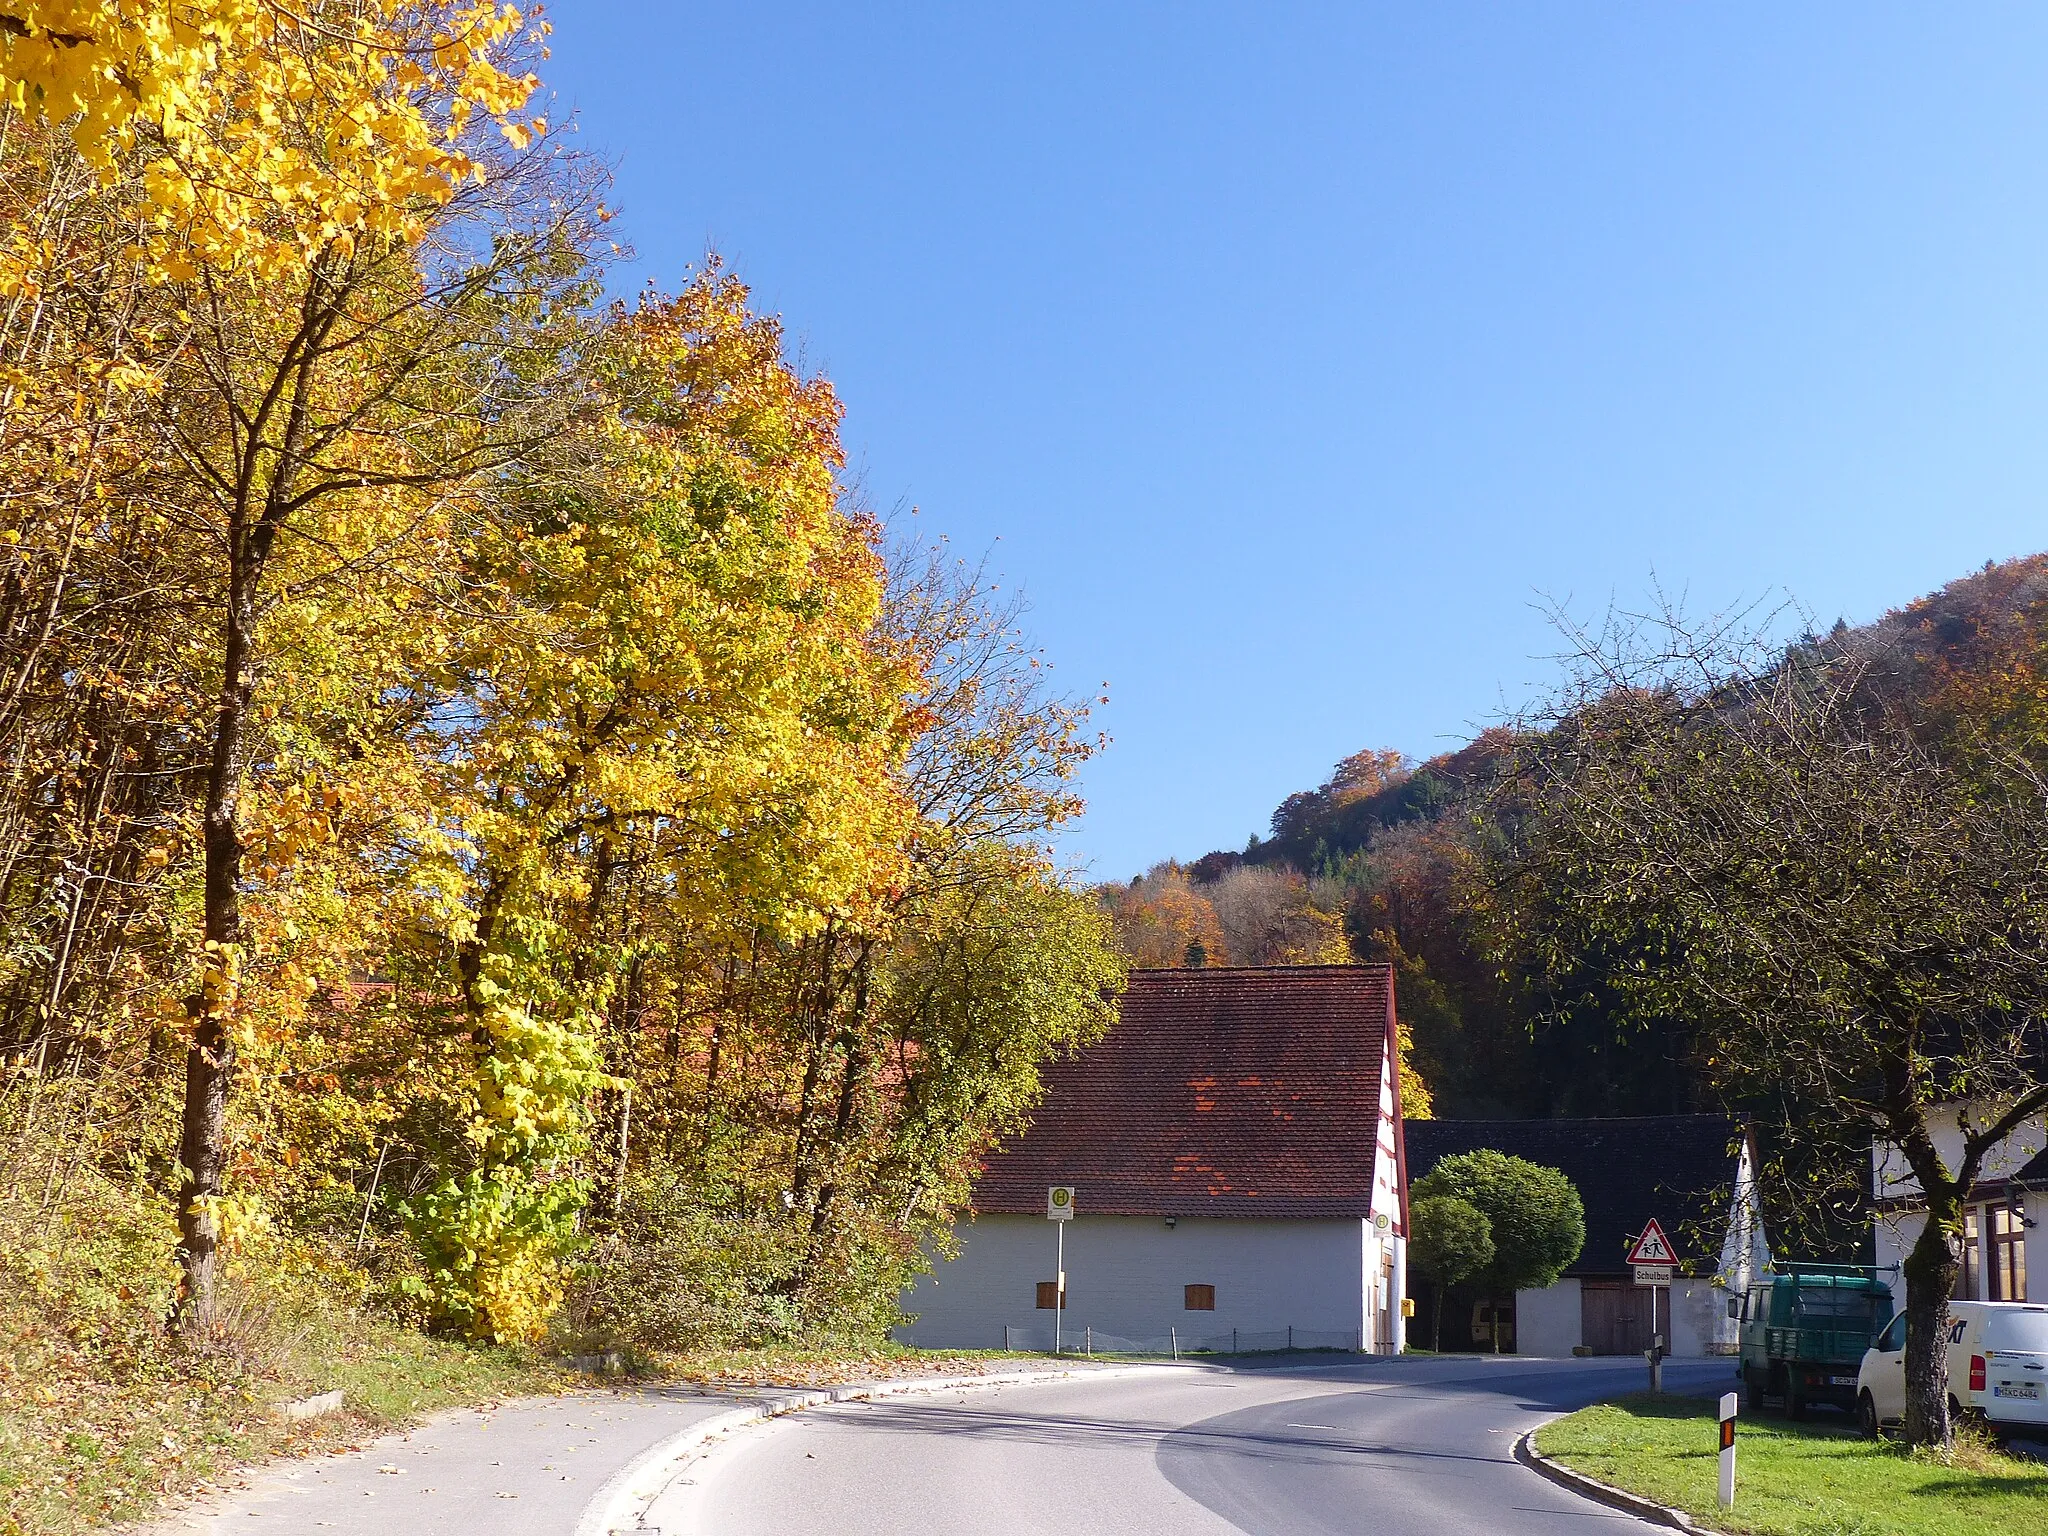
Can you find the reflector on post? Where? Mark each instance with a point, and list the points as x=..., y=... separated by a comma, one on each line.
x=1727, y=1416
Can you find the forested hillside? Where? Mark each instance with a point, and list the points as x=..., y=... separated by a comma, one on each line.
x=1390, y=854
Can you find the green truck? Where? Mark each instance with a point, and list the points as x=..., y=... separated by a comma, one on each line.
x=1804, y=1331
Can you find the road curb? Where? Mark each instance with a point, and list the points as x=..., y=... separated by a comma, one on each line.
x=1592, y=1488
x=619, y=1505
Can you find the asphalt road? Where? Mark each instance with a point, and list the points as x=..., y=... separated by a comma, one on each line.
x=1413, y=1447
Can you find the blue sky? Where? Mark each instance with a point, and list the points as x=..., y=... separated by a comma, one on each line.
x=1287, y=356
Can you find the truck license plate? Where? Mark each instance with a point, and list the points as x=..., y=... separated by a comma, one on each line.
x=2030, y=1390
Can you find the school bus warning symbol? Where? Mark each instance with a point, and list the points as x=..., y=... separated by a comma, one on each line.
x=1653, y=1247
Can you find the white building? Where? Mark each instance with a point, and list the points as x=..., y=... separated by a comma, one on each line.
x=1694, y=1174
x=1235, y=1148
x=2002, y=1245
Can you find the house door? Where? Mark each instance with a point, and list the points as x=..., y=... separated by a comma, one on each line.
x=1383, y=1315
x=1614, y=1317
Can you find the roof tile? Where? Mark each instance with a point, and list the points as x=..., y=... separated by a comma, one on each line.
x=1219, y=1092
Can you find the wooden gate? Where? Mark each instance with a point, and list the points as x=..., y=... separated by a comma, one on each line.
x=1614, y=1317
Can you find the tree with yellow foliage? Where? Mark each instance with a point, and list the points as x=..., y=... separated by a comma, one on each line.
x=342, y=283
x=268, y=135
x=671, y=716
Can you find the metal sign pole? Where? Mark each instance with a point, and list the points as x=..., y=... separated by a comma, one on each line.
x=1059, y=1210
x=1656, y=1347
x=1653, y=1259
x=1059, y=1283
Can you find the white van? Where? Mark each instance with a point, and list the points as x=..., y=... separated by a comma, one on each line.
x=1997, y=1367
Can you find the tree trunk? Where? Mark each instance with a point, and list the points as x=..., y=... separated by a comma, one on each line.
x=1436, y=1322
x=210, y=1058
x=1931, y=1270
x=617, y=1194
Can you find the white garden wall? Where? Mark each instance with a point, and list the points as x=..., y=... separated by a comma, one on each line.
x=1699, y=1322
x=1549, y=1322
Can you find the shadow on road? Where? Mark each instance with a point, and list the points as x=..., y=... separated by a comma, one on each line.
x=1252, y=1434
x=1080, y=1433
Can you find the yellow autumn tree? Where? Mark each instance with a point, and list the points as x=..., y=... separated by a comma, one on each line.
x=268, y=134
x=672, y=716
x=331, y=227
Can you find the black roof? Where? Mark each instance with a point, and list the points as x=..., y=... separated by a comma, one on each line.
x=2033, y=1173
x=1677, y=1168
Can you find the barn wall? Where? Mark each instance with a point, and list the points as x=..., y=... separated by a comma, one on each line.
x=1691, y=1315
x=1125, y=1279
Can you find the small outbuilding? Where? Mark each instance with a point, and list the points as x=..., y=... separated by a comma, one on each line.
x=1234, y=1148
x=1694, y=1174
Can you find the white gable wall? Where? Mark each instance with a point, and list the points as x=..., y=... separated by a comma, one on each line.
x=1389, y=1229
x=1893, y=1180
x=1126, y=1274
x=1897, y=1192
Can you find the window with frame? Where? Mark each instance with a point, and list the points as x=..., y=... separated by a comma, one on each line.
x=1198, y=1298
x=1966, y=1277
x=1049, y=1298
x=2006, y=1258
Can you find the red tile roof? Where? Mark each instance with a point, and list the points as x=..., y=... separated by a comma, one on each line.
x=1226, y=1092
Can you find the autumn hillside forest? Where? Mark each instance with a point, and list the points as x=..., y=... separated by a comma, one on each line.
x=1515, y=1003
x=505, y=856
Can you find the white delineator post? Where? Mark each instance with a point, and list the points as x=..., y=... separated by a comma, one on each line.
x=1727, y=1450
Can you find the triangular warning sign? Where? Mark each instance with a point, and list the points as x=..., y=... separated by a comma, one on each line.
x=1653, y=1247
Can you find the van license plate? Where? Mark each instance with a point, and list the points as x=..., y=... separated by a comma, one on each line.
x=2030, y=1390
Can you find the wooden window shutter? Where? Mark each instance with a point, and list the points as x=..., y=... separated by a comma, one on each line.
x=1200, y=1298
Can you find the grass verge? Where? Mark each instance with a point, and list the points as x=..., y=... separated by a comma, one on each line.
x=826, y=1367
x=1799, y=1479
x=103, y=1415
